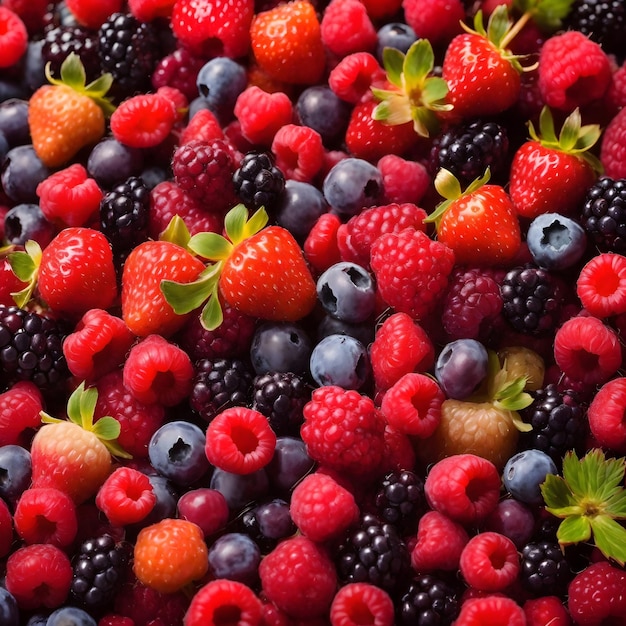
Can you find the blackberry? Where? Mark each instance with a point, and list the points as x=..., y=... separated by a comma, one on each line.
x=59, y=41
x=532, y=299
x=281, y=396
x=258, y=182
x=400, y=499
x=544, y=569
x=98, y=571
x=373, y=552
x=31, y=348
x=124, y=217
x=467, y=150
x=558, y=422
x=219, y=384
x=427, y=600
x=604, y=214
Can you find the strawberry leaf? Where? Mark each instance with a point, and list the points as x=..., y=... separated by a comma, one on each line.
x=574, y=529
x=609, y=537
x=393, y=62
x=499, y=25
x=558, y=496
x=394, y=109
x=210, y=246
x=25, y=265
x=212, y=315
x=239, y=228
x=418, y=64
x=547, y=14
x=106, y=428
x=176, y=232
x=187, y=297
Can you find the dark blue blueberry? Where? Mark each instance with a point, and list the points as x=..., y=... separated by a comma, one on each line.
x=291, y=462
x=461, y=367
x=15, y=471
x=240, y=490
x=14, y=121
x=280, y=347
x=166, y=501
x=394, y=35
x=299, y=207
x=70, y=616
x=351, y=185
x=268, y=522
x=4, y=146
x=219, y=82
x=176, y=451
x=524, y=473
x=111, y=163
x=9, y=613
x=34, y=72
x=12, y=90
x=235, y=556
x=556, y=242
x=330, y=325
x=22, y=171
x=197, y=104
x=340, y=360
x=319, y=108
x=26, y=221
x=39, y=619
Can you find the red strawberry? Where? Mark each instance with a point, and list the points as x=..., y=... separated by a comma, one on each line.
x=549, y=171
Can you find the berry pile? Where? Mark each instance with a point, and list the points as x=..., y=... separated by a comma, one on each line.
x=312, y=312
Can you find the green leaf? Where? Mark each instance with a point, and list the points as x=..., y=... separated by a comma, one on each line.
x=609, y=537
x=418, y=64
x=519, y=423
x=447, y=185
x=556, y=494
x=23, y=264
x=425, y=122
x=499, y=24
x=212, y=315
x=615, y=504
x=434, y=93
x=46, y=418
x=187, y=297
x=393, y=62
x=568, y=136
x=396, y=110
x=73, y=72
x=88, y=400
x=234, y=223
x=106, y=428
x=74, y=412
x=176, y=232
x=256, y=223
x=210, y=246
x=115, y=449
x=573, y=529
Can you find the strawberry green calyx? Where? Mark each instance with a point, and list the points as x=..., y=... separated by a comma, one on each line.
x=547, y=14
x=81, y=406
x=416, y=95
x=25, y=265
x=590, y=498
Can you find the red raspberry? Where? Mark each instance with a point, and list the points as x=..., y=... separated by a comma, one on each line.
x=411, y=271
x=587, y=350
x=299, y=577
x=436, y=20
x=606, y=415
x=20, y=409
x=382, y=9
x=38, y=576
x=31, y=12
x=546, y=610
x=347, y=28
x=126, y=496
x=613, y=147
x=601, y=285
x=6, y=529
x=399, y=452
x=98, y=345
x=354, y=600
x=489, y=562
x=115, y=620
x=353, y=76
x=148, y=10
x=465, y=487
x=69, y=197
x=93, y=13
x=573, y=70
x=321, y=508
x=356, y=236
x=494, y=610
x=13, y=37
x=299, y=152
x=203, y=126
x=179, y=69
x=320, y=246
x=46, y=515
x=221, y=597
x=616, y=93
x=343, y=430
x=400, y=347
x=157, y=370
x=240, y=440
x=439, y=544
x=413, y=405
x=404, y=181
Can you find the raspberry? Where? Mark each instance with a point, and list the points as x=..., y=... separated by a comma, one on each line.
x=347, y=28
x=6, y=529
x=320, y=246
x=20, y=409
x=404, y=181
x=240, y=440
x=382, y=9
x=354, y=600
x=221, y=597
x=546, y=610
x=605, y=415
x=157, y=370
x=489, y=562
x=601, y=285
x=126, y=496
x=400, y=346
x=439, y=543
x=353, y=76
x=411, y=271
x=573, y=71
x=587, y=350
x=299, y=152
x=413, y=405
x=613, y=147
x=170, y=554
x=148, y=10
x=299, y=577
x=46, y=515
x=465, y=487
x=399, y=452
x=92, y=14
x=435, y=20
x=14, y=38
x=343, y=430
x=203, y=126
x=179, y=69
x=494, y=610
x=321, y=508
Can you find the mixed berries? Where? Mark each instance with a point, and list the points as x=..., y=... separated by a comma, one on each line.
x=312, y=312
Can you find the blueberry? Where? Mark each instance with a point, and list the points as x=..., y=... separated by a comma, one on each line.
x=14, y=121
x=219, y=82
x=22, y=171
x=15, y=471
x=556, y=242
x=177, y=451
x=346, y=291
x=524, y=473
x=235, y=556
x=351, y=185
x=9, y=613
x=291, y=462
x=111, y=163
x=461, y=367
x=280, y=347
x=268, y=522
x=70, y=616
x=25, y=221
x=38, y=619
x=340, y=360
x=34, y=65
x=165, y=506
x=240, y=490
x=300, y=206
x=318, y=107
x=329, y=325
x=394, y=35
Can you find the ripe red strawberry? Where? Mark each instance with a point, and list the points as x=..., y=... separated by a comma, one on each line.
x=549, y=171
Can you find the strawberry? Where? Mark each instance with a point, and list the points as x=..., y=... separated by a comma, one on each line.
x=259, y=271
x=74, y=454
x=68, y=115
x=549, y=171
x=479, y=224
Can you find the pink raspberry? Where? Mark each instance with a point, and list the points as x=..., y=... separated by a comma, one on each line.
x=601, y=285
x=320, y=246
x=546, y=610
x=606, y=415
x=20, y=409
x=347, y=28
x=179, y=69
x=6, y=529
x=353, y=76
x=404, y=181
x=436, y=20
x=299, y=577
x=399, y=452
x=299, y=152
x=262, y=114
x=203, y=126
x=613, y=146
x=354, y=600
x=495, y=610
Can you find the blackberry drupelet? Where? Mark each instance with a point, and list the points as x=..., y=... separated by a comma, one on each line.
x=281, y=396
x=373, y=552
x=258, y=182
x=604, y=214
x=98, y=571
x=219, y=384
x=544, y=569
x=31, y=348
x=427, y=600
x=467, y=150
x=400, y=499
x=59, y=41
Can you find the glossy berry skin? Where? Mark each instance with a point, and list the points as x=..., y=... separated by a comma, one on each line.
x=321, y=109
x=524, y=472
x=26, y=221
x=22, y=171
x=556, y=241
x=299, y=208
x=340, y=360
x=9, y=613
x=206, y=507
x=219, y=82
x=280, y=347
x=396, y=35
x=461, y=367
x=235, y=556
x=290, y=463
x=15, y=469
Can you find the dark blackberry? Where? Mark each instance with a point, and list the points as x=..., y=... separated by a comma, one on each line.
x=375, y=553
x=400, y=499
x=258, y=182
x=98, y=571
x=604, y=214
x=532, y=299
x=129, y=50
x=124, y=217
x=467, y=150
x=428, y=600
x=281, y=396
x=58, y=42
x=558, y=422
x=31, y=348
x=544, y=569
x=219, y=384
